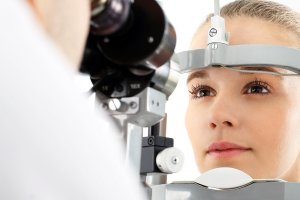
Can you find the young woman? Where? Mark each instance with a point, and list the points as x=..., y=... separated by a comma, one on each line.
x=248, y=121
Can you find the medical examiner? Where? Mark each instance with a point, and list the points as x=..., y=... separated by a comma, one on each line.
x=248, y=121
x=51, y=145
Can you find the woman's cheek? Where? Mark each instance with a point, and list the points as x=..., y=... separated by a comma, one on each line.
x=268, y=122
x=194, y=122
x=192, y=116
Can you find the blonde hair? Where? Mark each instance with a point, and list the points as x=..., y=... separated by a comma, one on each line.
x=269, y=11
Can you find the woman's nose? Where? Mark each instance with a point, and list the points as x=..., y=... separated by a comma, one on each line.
x=223, y=113
x=225, y=123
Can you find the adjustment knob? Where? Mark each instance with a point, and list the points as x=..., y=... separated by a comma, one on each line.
x=170, y=160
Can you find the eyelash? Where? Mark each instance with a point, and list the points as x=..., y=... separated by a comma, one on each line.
x=196, y=89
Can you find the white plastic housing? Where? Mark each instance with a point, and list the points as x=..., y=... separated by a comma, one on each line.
x=170, y=160
x=224, y=178
x=217, y=32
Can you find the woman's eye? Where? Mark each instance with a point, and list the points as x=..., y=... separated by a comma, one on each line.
x=257, y=87
x=201, y=91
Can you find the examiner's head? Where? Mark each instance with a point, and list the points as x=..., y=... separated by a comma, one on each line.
x=248, y=121
x=66, y=22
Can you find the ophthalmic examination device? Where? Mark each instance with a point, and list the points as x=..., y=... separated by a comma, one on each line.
x=130, y=59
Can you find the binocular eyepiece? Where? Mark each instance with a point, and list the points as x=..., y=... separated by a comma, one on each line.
x=128, y=40
x=132, y=32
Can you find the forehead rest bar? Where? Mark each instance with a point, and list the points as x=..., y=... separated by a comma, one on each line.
x=218, y=54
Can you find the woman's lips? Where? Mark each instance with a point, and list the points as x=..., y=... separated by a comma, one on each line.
x=225, y=149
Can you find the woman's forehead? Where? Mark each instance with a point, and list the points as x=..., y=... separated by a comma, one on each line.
x=257, y=31
x=207, y=72
x=248, y=30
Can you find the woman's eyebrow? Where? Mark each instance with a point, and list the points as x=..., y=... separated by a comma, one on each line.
x=203, y=74
x=264, y=69
x=198, y=74
x=267, y=69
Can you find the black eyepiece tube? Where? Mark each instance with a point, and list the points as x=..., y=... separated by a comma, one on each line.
x=108, y=16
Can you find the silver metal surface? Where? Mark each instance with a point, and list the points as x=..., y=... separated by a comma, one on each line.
x=155, y=179
x=238, y=55
x=257, y=190
x=217, y=7
x=165, y=50
x=163, y=126
x=152, y=108
x=134, y=146
x=123, y=106
x=165, y=79
x=145, y=109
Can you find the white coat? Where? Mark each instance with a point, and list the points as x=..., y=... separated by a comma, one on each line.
x=51, y=145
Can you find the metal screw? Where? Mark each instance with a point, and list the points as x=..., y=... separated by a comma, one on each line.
x=114, y=104
x=150, y=141
x=213, y=32
x=133, y=104
x=175, y=160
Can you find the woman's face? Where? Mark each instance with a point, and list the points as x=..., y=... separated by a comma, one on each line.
x=247, y=121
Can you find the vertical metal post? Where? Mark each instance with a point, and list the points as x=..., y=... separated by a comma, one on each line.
x=217, y=7
x=134, y=137
x=158, y=129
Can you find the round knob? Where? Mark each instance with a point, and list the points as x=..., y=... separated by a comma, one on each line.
x=170, y=160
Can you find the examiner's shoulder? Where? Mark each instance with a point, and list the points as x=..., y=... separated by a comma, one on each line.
x=51, y=145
